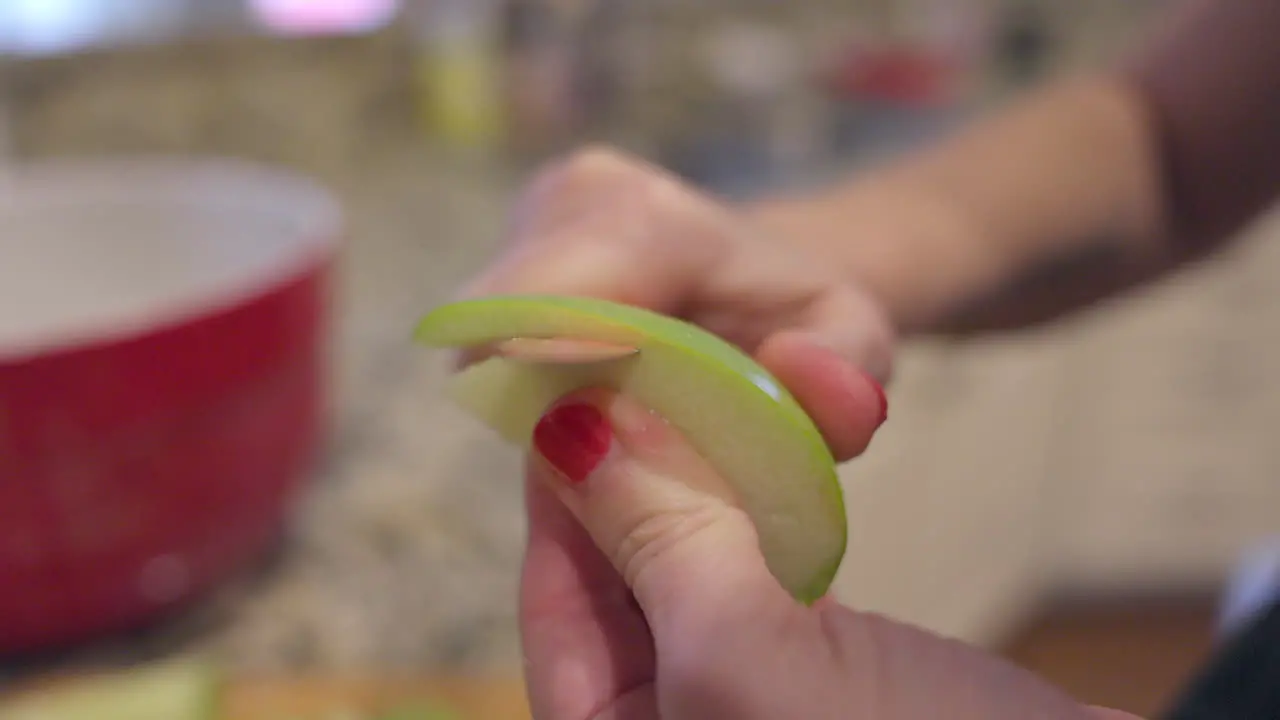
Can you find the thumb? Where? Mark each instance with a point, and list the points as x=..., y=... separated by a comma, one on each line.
x=665, y=519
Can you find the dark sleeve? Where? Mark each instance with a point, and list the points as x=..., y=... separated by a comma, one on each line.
x=1213, y=86
x=1242, y=680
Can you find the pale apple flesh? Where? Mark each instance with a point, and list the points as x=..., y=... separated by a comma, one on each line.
x=562, y=350
x=733, y=412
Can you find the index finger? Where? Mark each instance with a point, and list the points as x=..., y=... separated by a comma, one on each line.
x=599, y=225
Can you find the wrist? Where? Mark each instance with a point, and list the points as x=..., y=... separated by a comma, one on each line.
x=1064, y=182
x=918, y=254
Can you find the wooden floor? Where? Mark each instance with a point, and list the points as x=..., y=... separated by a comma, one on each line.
x=1132, y=656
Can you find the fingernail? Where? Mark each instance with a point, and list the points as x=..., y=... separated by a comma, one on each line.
x=573, y=437
x=884, y=400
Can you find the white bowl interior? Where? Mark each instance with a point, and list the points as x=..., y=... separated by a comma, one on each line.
x=93, y=250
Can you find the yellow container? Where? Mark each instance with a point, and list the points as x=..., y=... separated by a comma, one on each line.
x=458, y=77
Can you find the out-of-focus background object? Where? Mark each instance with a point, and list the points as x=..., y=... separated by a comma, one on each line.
x=1108, y=466
x=163, y=332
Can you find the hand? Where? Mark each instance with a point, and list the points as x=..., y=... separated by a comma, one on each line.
x=644, y=593
x=645, y=598
x=602, y=225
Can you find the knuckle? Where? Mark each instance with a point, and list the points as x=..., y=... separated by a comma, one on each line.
x=588, y=183
x=873, y=320
x=600, y=168
x=599, y=162
x=654, y=537
x=600, y=181
x=876, y=337
x=882, y=341
x=880, y=330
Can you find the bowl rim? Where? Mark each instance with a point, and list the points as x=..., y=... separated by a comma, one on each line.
x=303, y=200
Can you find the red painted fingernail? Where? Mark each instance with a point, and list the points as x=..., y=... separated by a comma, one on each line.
x=884, y=400
x=574, y=438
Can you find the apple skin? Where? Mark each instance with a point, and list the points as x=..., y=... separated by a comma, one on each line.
x=732, y=411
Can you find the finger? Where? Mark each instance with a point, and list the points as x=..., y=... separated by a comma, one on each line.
x=603, y=225
x=585, y=641
x=844, y=321
x=723, y=627
x=846, y=404
x=835, y=359
x=823, y=338
x=666, y=521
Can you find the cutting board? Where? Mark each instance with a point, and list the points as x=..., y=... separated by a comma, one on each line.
x=266, y=698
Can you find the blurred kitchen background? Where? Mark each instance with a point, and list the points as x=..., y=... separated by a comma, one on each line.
x=1124, y=457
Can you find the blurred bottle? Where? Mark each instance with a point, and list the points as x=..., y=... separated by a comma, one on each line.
x=8, y=145
x=768, y=125
x=602, y=60
x=955, y=34
x=1024, y=43
x=539, y=78
x=458, y=70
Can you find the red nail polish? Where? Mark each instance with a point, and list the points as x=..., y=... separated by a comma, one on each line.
x=884, y=400
x=574, y=438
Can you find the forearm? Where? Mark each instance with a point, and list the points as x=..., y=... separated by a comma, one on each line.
x=1064, y=179
x=1074, y=193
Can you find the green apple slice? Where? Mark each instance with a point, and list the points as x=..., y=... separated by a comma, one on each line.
x=734, y=413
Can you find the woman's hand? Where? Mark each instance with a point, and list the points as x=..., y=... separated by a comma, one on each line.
x=602, y=225
x=644, y=594
x=645, y=597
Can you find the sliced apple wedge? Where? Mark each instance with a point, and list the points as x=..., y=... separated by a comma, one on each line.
x=734, y=413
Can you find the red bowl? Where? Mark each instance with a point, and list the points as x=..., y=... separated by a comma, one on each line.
x=163, y=333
